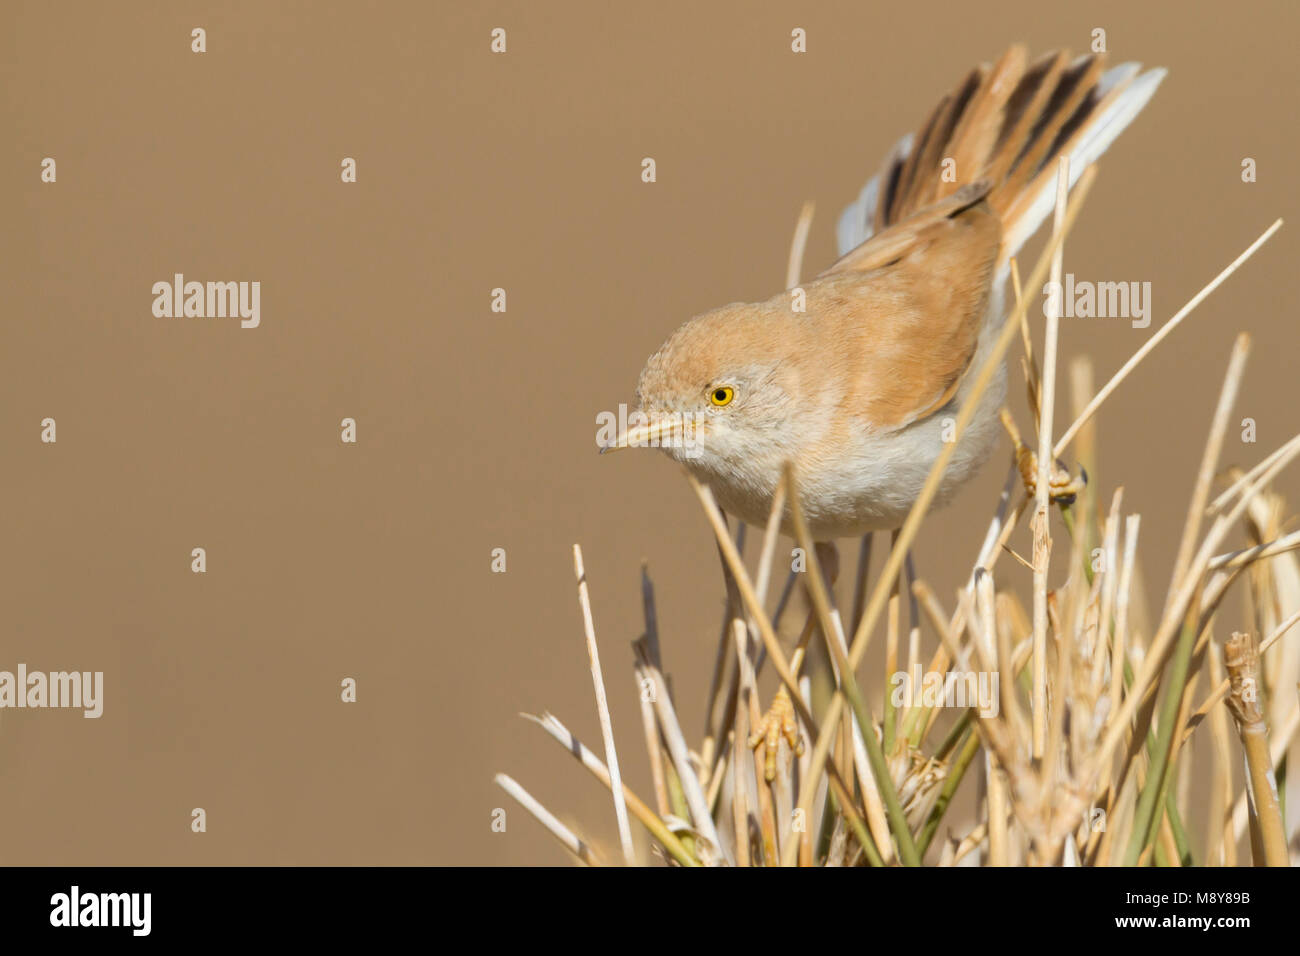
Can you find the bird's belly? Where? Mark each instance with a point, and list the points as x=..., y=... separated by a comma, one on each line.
x=872, y=481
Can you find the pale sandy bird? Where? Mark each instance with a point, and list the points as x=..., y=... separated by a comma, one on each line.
x=857, y=390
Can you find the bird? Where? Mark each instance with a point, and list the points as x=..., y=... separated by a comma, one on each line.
x=856, y=389
x=854, y=378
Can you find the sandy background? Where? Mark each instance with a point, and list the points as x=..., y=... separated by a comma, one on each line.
x=476, y=429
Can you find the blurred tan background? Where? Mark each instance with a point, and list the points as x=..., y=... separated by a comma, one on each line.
x=476, y=430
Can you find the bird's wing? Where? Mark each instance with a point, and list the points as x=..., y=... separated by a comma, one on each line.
x=902, y=314
x=897, y=240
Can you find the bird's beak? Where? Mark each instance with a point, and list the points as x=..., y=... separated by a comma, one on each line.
x=656, y=434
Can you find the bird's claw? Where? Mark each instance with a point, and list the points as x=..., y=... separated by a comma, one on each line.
x=778, y=722
x=1062, y=487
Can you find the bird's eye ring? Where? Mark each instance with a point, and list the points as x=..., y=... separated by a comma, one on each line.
x=722, y=395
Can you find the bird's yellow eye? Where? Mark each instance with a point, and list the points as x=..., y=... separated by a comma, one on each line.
x=722, y=395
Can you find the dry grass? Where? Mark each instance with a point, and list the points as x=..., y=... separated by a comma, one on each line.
x=1086, y=757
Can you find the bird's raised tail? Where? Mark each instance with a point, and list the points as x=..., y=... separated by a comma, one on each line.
x=1005, y=125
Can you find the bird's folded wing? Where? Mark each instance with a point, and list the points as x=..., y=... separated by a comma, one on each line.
x=905, y=317
x=899, y=239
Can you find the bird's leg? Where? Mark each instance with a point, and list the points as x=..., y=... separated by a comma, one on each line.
x=779, y=721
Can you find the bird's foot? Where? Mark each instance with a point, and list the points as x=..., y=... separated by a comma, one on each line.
x=1062, y=487
x=778, y=722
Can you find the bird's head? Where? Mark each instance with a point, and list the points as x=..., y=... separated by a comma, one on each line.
x=717, y=395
